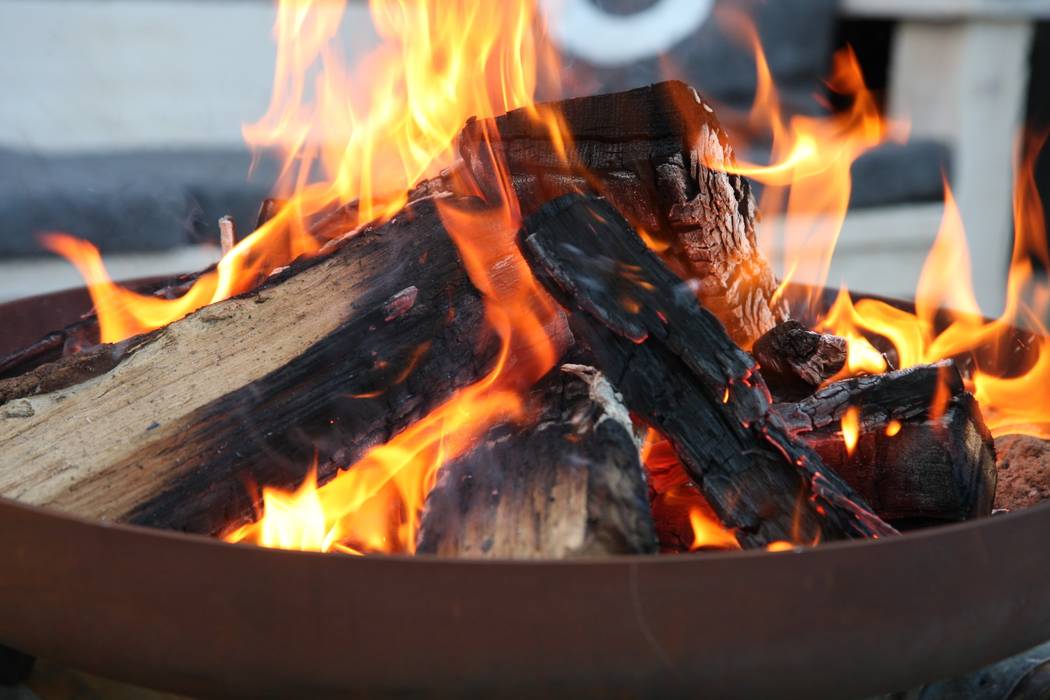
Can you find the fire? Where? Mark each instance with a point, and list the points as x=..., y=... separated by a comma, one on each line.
x=708, y=532
x=851, y=429
x=674, y=495
x=947, y=321
x=373, y=131
x=808, y=181
x=807, y=193
x=433, y=60
x=780, y=546
x=861, y=356
x=295, y=520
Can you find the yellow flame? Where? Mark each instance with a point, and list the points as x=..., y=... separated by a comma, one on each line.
x=808, y=181
x=709, y=533
x=947, y=321
x=364, y=135
x=861, y=356
x=438, y=68
x=851, y=429
x=780, y=546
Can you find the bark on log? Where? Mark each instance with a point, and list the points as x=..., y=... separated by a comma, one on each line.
x=335, y=354
x=568, y=483
x=912, y=467
x=678, y=370
x=655, y=153
x=794, y=360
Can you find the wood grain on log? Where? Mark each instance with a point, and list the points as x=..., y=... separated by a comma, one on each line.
x=335, y=354
x=567, y=483
x=655, y=153
x=911, y=466
x=679, y=370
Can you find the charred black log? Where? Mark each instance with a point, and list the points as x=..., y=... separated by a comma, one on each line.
x=334, y=354
x=566, y=483
x=922, y=454
x=679, y=370
x=658, y=154
x=794, y=360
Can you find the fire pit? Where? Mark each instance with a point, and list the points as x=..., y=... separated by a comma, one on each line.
x=541, y=339
x=205, y=618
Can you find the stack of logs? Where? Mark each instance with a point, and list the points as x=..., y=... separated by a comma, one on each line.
x=336, y=354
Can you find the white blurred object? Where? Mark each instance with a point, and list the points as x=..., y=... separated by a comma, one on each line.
x=959, y=74
x=105, y=75
x=581, y=28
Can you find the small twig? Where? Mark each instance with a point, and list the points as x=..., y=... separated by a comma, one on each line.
x=227, y=234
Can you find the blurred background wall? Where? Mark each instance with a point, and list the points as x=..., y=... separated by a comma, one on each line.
x=120, y=119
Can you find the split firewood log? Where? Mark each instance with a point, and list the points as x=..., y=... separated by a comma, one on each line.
x=794, y=360
x=335, y=354
x=566, y=483
x=655, y=152
x=83, y=334
x=658, y=154
x=913, y=461
x=678, y=370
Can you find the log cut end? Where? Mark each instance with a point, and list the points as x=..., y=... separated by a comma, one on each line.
x=567, y=483
x=914, y=464
x=658, y=154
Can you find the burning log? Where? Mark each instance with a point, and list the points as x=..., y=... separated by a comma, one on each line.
x=795, y=360
x=569, y=483
x=655, y=153
x=914, y=464
x=678, y=369
x=335, y=354
x=84, y=334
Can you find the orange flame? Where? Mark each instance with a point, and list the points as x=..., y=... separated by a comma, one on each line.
x=780, y=546
x=708, y=532
x=947, y=321
x=851, y=429
x=373, y=132
x=861, y=356
x=808, y=181
x=438, y=70
x=674, y=495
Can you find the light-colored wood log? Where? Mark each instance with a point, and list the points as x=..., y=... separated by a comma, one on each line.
x=211, y=398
